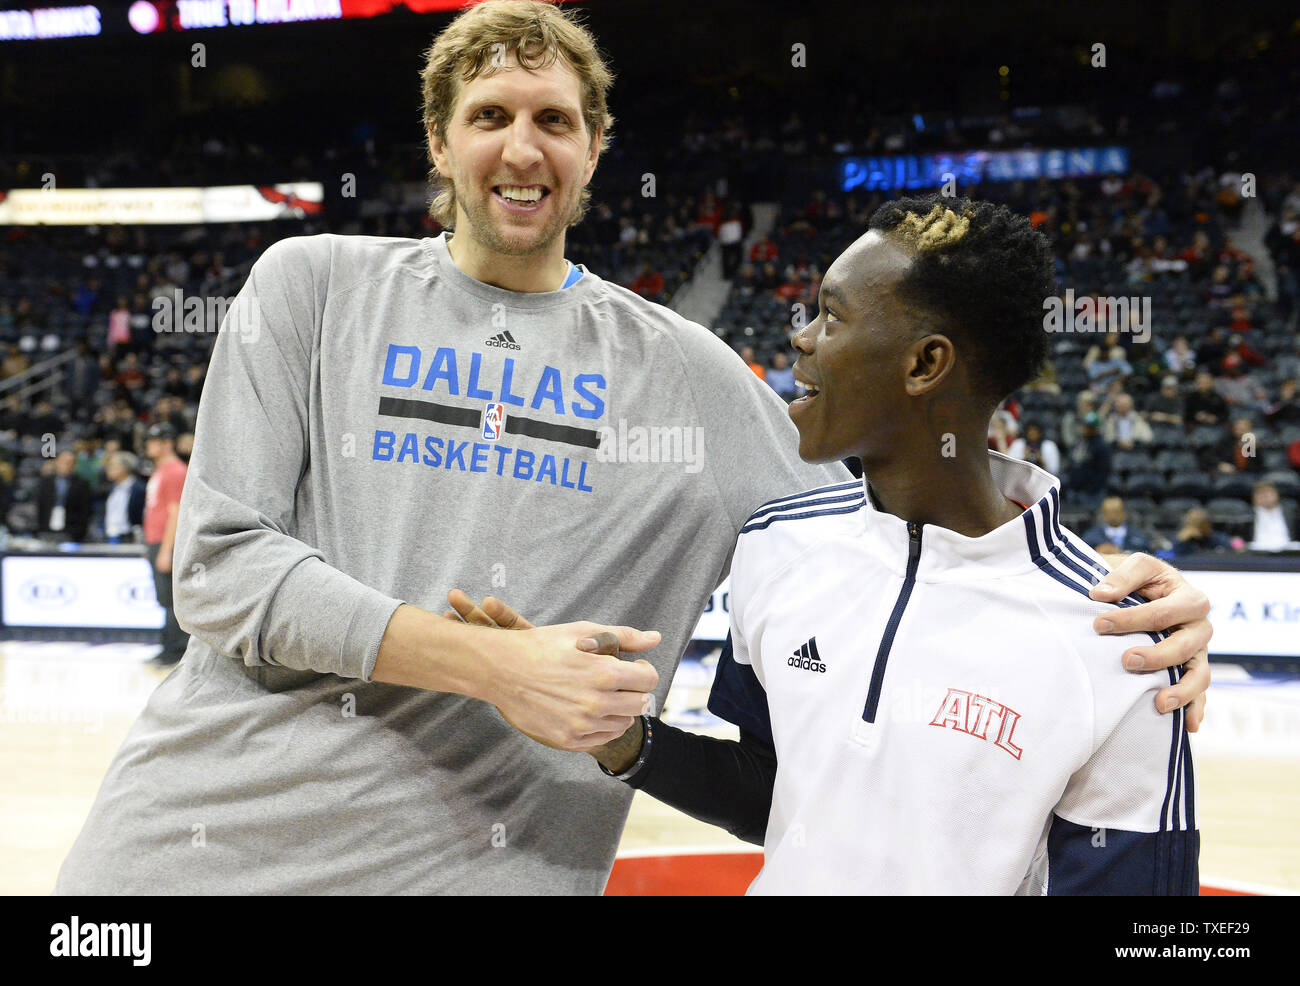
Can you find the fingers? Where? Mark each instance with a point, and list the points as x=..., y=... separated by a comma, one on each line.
x=468, y=610
x=605, y=642
x=1195, y=714
x=633, y=676
x=1135, y=572
x=504, y=616
x=1178, y=648
x=1183, y=606
x=1192, y=685
x=629, y=704
x=628, y=639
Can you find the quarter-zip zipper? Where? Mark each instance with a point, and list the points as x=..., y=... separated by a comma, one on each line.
x=891, y=628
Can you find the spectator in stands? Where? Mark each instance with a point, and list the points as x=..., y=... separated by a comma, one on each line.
x=770, y=278
x=731, y=236
x=710, y=213
x=628, y=235
x=1270, y=533
x=1239, y=389
x=1114, y=529
x=1072, y=421
x=747, y=354
x=83, y=379
x=1197, y=535
x=90, y=462
x=1089, y=466
x=1003, y=430
x=1286, y=409
x=1124, y=427
x=1102, y=372
x=63, y=500
x=162, y=504
x=124, y=508
x=1166, y=406
x=747, y=283
x=780, y=376
x=14, y=363
x=86, y=298
x=184, y=446
x=1204, y=406
x=1237, y=452
x=649, y=283
x=790, y=289
x=130, y=378
x=1179, y=357
x=1212, y=350
x=174, y=412
x=111, y=423
x=1033, y=446
x=763, y=251
x=140, y=323
x=194, y=374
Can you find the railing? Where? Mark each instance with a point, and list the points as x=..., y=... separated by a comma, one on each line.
x=46, y=374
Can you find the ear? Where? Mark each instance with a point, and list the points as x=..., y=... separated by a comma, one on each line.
x=438, y=151
x=929, y=360
x=593, y=155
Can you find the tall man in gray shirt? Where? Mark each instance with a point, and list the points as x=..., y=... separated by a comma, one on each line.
x=385, y=419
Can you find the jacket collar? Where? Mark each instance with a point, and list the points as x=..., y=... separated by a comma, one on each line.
x=946, y=556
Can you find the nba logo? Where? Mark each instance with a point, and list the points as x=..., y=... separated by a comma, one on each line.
x=494, y=419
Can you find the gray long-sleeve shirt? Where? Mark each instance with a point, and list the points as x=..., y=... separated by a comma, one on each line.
x=379, y=427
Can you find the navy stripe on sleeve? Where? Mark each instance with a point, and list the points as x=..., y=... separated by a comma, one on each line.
x=738, y=697
x=1083, y=860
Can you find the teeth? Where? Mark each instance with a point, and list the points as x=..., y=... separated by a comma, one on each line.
x=808, y=387
x=520, y=194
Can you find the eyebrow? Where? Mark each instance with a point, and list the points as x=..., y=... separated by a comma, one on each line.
x=494, y=99
x=835, y=294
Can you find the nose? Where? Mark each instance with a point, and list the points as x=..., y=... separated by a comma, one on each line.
x=521, y=151
x=801, y=338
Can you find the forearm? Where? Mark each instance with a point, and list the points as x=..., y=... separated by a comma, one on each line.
x=169, y=533
x=720, y=782
x=423, y=650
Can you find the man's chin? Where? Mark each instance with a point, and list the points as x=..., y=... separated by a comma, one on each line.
x=813, y=453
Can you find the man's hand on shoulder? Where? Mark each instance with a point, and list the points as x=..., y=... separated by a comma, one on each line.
x=1175, y=606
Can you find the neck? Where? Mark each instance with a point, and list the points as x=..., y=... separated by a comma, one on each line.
x=918, y=486
x=530, y=273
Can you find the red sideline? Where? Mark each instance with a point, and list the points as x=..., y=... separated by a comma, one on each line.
x=719, y=875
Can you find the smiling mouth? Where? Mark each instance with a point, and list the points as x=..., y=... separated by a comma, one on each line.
x=521, y=195
x=810, y=393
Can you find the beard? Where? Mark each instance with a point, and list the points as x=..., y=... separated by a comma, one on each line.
x=498, y=235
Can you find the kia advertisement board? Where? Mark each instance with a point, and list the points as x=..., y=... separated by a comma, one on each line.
x=56, y=591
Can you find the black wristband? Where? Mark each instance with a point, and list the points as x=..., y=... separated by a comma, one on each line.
x=647, y=738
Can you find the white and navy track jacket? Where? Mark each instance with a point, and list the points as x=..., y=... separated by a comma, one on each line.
x=945, y=718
